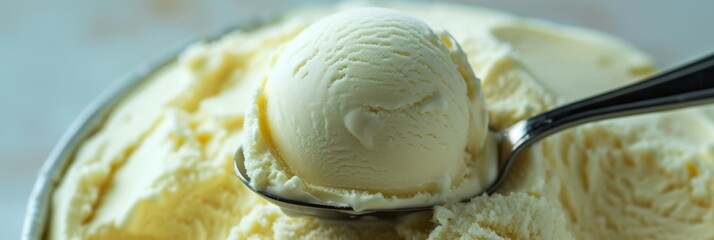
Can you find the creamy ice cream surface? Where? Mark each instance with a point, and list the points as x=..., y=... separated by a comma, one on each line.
x=161, y=165
x=373, y=109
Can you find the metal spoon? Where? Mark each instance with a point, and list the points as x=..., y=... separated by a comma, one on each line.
x=688, y=85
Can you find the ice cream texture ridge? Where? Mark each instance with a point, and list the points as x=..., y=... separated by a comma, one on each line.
x=382, y=104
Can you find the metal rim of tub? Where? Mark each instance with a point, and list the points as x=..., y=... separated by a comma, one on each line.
x=90, y=119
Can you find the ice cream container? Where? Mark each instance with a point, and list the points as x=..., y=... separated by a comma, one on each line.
x=37, y=217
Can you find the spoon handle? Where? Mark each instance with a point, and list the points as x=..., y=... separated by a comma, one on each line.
x=688, y=85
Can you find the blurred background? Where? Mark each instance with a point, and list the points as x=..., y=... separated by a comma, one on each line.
x=56, y=56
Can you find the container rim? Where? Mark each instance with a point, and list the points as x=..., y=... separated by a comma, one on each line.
x=91, y=118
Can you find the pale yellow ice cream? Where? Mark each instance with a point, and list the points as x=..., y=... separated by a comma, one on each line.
x=373, y=109
x=160, y=167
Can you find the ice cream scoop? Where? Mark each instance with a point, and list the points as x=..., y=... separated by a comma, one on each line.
x=689, y=85
x=373, y=99
x=374, y=109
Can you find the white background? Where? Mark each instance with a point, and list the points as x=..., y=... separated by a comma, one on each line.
x=56, y=56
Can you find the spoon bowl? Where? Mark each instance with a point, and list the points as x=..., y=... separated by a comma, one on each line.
x=321, y=210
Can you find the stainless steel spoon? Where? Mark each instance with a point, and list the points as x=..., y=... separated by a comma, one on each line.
x=688, y=85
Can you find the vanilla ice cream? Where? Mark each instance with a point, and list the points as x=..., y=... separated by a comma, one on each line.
x=373, y=109
x=161, y=165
